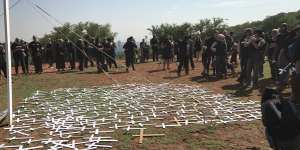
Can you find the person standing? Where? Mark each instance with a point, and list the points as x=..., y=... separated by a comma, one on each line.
x=2, y=60
x=220, y=49
x=191, y=48
x=71, y=53
x=112, y=53
x=167, y=47
x=50, y=53
x=36, y=53
x=19, y=56
x=60, y=56
x=272, y=54
x=144, y=51
x=80, y=54
x=100, y=57
x=244, y=55
x=183, y=56
x=130, y=47
x=256, y=44
x=208, y=55
x=155, y=48
x=283, y=59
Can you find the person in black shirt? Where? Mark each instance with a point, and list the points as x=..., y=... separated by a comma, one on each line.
x=183, y=55
x=36, y=53
x=255, y=45
x=198, y=47
x=2, y=60
x=19, y=56
x=130, y=48
x=111, y=51
x=27, y=53
x=100, y=56
x=70, y=51
x=80, y=54
x=166, y=47
x=208, y=55
x=60, y=56
x=283, y=42
x=144, y=51
x=272, y=54
x=220, y=49
x=50, y=53
x=155, y=48
x=244, y=55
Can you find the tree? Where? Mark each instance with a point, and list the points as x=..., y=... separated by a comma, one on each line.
x=73, y=32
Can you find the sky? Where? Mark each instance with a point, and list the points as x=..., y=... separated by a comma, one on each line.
x=133, y=17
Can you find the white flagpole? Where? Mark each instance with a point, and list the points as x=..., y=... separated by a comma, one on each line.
x=8, y=59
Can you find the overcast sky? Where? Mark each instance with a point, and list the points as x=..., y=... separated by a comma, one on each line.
x=133, y=17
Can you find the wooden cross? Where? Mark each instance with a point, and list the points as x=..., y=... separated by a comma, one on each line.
x=142, y=135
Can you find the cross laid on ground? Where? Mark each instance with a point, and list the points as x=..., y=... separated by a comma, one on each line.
x=142, y=135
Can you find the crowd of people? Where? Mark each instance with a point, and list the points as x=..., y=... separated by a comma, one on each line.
x=220, y=54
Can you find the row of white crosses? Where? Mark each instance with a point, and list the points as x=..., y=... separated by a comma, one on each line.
x=86, y=118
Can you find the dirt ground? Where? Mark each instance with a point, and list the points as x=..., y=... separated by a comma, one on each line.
x=234, y=136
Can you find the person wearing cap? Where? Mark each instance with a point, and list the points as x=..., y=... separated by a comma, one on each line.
x=220, y=49
x=36, y=53
x=129, y=50
x=256, y=44
x=2, y=60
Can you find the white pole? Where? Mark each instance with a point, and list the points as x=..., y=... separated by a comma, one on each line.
x=8, y=59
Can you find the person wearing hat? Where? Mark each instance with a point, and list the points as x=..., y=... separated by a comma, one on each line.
x=255, y=45
x=220, y=49
x=36, y=53
x=129, y=50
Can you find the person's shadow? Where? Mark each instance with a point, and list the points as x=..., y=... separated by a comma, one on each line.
x=202, y=79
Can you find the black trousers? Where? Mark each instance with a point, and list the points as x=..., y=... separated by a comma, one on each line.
x=81, y=59
x=60, y=62
x=207, y=60
x=19, y=59
x=72, y=60
x=155, y=54
x=130, y=59
x=38, y=65
x=3, y=67
x=183, y=64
